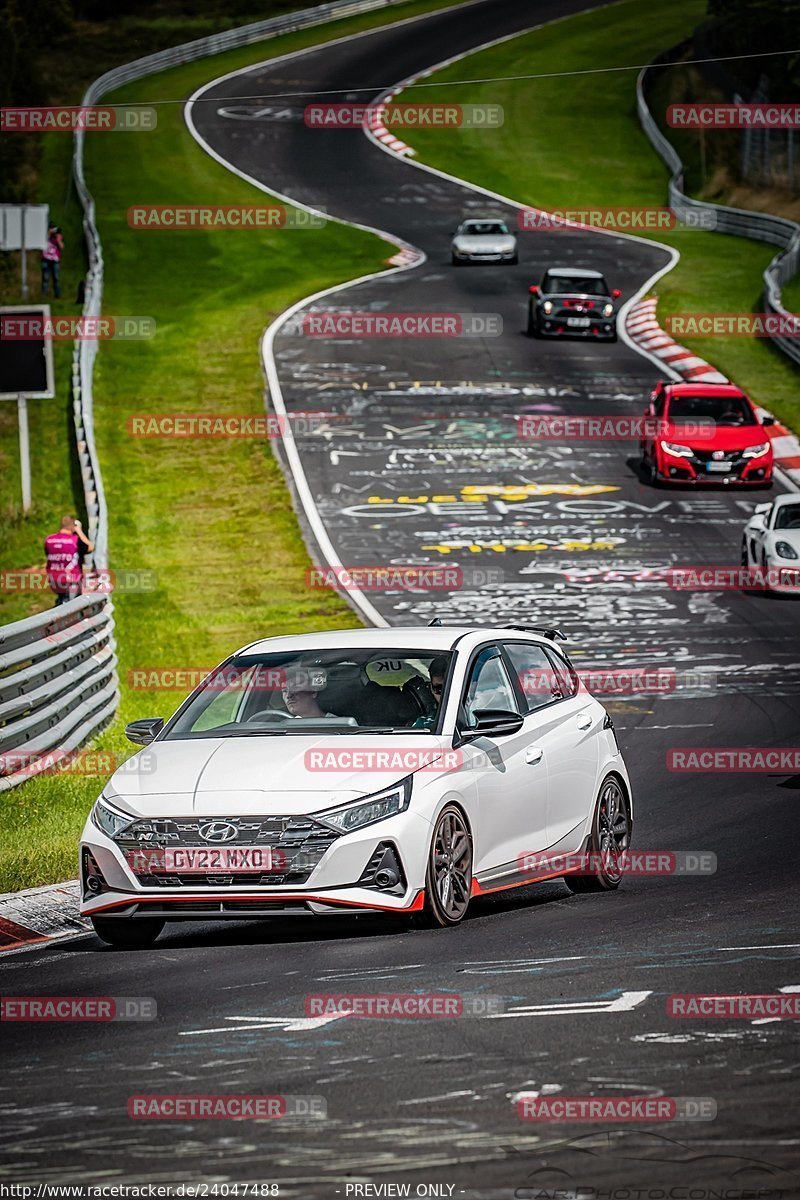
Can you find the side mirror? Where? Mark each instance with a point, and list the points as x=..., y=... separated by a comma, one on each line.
x=616, y=293
x=142, y=732
x=768, y=421
x=762, y=508
x=533, y=289
x=493, y=723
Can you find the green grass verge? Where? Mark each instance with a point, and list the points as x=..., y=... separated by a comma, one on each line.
x=790, y=295
x=211, y=518
x=577, y=143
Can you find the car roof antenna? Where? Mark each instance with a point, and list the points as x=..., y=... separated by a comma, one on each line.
x=435, y=621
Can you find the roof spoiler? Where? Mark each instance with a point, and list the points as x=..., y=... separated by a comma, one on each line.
x=555, y=635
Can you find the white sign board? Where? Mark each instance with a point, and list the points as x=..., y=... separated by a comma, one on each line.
x=11, y=222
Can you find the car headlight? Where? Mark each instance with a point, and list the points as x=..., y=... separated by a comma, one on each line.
x=366, y=812
x=677, y=450
x=755, y=451
x=108, y=819
x=608, y=310
x=785, y=550
x=547, y=307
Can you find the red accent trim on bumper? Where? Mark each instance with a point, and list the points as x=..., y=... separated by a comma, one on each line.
x=416, y=905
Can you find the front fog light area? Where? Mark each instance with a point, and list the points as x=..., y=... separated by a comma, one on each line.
x=384, y=870
x=91, y=876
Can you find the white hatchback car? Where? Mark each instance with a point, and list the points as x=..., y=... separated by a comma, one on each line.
x=771, y=542
x=400, y=771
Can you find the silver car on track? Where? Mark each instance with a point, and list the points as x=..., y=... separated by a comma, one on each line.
x=486, y=239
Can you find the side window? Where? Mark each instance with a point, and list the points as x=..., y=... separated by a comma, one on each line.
x=538, y=677
x=488, y=686
x=566, y=673
x=223, y=699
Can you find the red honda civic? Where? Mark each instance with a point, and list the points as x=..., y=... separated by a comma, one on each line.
x=705, y=433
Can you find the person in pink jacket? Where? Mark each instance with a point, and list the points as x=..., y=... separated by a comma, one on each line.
x=51, y=261
x=64, y=553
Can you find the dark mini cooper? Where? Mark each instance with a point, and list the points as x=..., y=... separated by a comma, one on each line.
x=573, y=301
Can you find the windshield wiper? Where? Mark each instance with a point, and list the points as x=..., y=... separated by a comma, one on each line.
x=387, y=729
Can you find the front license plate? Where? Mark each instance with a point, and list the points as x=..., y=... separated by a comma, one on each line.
x=578, y=322
x=197, y=859
x=722, y=467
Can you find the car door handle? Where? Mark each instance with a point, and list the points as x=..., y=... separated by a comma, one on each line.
x=534, y=755
x=584, y=721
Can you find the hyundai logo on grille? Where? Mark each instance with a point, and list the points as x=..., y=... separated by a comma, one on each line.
x=218, y=831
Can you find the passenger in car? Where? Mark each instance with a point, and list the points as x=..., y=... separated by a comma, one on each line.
x=437, y=672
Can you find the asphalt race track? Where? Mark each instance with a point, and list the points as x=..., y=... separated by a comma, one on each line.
x=548, y=533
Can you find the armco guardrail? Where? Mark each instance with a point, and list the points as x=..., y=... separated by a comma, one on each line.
x=761, y=227
x=58, y=681
x=58, y=684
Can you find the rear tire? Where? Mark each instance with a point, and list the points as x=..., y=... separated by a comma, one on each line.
x=610, y=836
x=448, y=879
x=126, y=933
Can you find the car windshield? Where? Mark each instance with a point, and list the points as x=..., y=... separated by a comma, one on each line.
x=787, y=516
x=484, y=229
x=333, y=691
x=575, y=283
x=724, y=410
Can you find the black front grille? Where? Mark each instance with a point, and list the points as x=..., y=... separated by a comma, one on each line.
x=298, y=842
x=704, y=456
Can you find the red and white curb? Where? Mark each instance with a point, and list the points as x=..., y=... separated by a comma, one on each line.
x=374, y=122
x=643, y=328
x=405, y=257
x=39, y=915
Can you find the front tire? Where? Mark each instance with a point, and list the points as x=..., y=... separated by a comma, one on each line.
x=126, y=933
x=448, y=879
x=532, y=329
x=609, y=838
x=650, y=472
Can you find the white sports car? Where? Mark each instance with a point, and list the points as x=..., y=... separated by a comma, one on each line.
x=399, y=771
x=771, y=542
x=485, y=240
